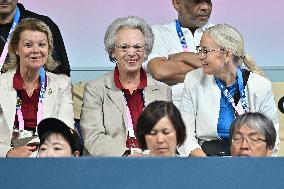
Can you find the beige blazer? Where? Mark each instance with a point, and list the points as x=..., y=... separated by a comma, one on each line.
x=103, y=117
x=57, y=103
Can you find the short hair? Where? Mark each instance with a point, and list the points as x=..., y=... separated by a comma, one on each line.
x=31, y=24
x=51, y=126
x=152, y=114
x=258, y=122
x=132, y=22
x=229, y=38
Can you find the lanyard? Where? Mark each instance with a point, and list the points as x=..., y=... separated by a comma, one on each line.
x=229, y=96
x=39, y=106
x=181, y=36
x=5, y=49
x=130, y=127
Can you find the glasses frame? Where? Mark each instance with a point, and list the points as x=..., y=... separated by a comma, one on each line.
x=203, y=53
x=248, y=140
x=124, y=47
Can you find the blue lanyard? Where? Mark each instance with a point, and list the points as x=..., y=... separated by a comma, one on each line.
x=230, y=97
x=181, y=36
x=14, y=24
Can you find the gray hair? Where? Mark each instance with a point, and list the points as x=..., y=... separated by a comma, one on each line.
x=133, y=22
x=258, y=122
x=229, y=38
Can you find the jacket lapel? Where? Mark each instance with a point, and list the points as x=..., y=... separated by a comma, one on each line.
x=151, y=92
x=115, y=95
x=50, y=96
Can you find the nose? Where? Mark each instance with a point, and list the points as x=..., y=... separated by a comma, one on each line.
x=50, y=153
x=244, y=144
x=35, y=49
x=160, y=138
x=205, y=6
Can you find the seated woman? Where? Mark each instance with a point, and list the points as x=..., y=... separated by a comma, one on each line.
x=252, y=134
x=222, y=90
x=160, y=129
x=113, y=102
x=28, y=91
x=57, y=139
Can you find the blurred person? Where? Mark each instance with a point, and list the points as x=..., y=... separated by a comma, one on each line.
x=160, y=129
x=113, y=102
x=174, y=51
x=252, y=134
x=29, y=91
x=57, y=139
x=228, y=85
x=11, y=13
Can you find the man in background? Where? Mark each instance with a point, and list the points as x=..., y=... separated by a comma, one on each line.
x=174, y=52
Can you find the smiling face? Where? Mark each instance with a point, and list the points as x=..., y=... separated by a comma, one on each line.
x=162, y=139
x=249, y=142
x=129, y=60
x=193, y=13
x=32, y=49
x=214, y=61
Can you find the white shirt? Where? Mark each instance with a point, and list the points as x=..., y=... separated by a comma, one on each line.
x=167, y=42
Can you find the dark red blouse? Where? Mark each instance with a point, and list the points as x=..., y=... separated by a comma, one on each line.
x=135, y=102
x=29, y=104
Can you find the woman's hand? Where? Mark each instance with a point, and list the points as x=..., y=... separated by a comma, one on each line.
x=22, y=151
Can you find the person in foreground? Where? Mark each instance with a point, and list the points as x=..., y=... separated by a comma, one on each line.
x=228, y=85
x=113, y=102
x=252, y=134
x=57, y=139
x=160, y=129
x=29, y=92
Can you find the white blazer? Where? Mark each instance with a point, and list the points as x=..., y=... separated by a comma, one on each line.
x=200, y=105
x=57, y=103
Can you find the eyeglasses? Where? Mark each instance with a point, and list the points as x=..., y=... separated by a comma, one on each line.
x=252, y=140
x=126, y=47
x=202, y=52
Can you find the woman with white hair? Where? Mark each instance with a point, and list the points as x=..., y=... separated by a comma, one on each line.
x=228, y=84
x=113, y=102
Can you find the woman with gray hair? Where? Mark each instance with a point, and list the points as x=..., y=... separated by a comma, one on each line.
x=228, y=85
x=252, y=134
x=113, y=102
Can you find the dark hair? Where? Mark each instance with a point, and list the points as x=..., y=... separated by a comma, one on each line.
x=50, y=126
x=152, y=114
x=258, y=122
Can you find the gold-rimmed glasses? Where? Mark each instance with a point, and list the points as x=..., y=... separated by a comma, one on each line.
x=202, y=51
x=124, y=47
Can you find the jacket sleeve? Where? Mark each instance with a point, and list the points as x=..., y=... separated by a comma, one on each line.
x=96, y=139
x=65, y=106
x=188, y=112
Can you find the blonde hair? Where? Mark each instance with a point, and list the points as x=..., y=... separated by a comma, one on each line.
x=32, y=24
x=230, y=39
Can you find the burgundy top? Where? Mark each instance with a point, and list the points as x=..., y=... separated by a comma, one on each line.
x=29, y=104
x=135, y=102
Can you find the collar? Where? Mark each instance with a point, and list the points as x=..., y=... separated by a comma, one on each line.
x=18, y=82
x=143, y=79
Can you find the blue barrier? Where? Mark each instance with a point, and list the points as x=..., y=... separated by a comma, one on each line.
x=136, y=173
